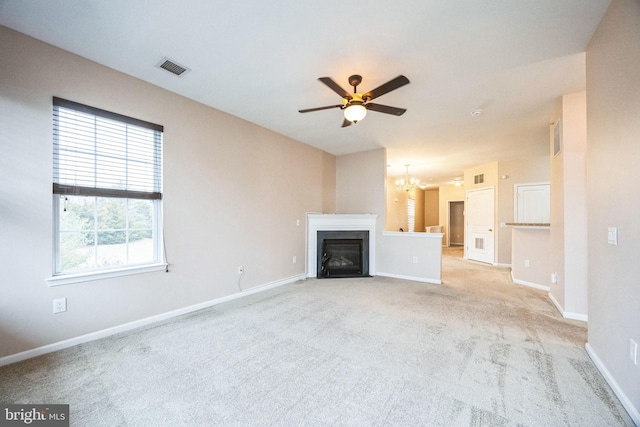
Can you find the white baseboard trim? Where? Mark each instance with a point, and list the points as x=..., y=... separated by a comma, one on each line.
x=566, y=314
x=529, y=284
x=60, y=345
x=502, y=265
x=415, y=279
x=634, y=412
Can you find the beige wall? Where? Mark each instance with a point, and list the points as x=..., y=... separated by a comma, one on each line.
x=490, y=171
x=613, y=156
x=328, y=183
x=511, y=173
x=419, y=198
x=411, y=256
x=530, y=257
x=556, y=237
x=233, y=192
x=432, y=207
x=426, y=207
x=568, y=236
x=502, y=176
x=396, y=212
x=447, y=193
x=360, y=183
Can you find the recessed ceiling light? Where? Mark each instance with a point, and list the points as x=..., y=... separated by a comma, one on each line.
x=476, y=112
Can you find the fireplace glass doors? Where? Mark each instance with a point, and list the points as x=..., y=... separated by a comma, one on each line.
x=343, y=254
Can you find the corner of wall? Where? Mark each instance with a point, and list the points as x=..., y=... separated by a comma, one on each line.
x=328, y=183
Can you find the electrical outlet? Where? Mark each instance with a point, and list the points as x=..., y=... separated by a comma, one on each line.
x=554, y=277
x=527, y=263
x=59, y=305
x=295, y=259
x=415, y=259
x=240, y=269
x=297, y=223
x=633, y=351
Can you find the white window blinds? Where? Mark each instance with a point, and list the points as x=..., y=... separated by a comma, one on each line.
x=411, y=214
x=99, y=153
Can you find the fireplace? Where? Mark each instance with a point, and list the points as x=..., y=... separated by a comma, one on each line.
x=342, y=254
x=343, y=229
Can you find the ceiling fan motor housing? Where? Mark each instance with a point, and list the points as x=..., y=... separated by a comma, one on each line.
x=355, y=80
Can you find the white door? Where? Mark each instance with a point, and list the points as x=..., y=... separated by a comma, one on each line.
x=480, y=223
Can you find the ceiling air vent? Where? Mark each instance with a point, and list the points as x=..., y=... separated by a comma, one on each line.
x=172, y=67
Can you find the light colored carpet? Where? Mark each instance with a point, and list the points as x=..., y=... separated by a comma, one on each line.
x=474, y=351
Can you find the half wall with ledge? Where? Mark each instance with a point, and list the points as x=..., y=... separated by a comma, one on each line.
x=410, y=256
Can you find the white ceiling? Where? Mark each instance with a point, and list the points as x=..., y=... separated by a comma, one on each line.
x=260, y=60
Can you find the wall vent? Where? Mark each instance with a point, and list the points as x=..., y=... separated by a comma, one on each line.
x=172, y=67
x=478, y=179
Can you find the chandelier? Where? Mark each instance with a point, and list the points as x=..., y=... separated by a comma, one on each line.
x=405, y=183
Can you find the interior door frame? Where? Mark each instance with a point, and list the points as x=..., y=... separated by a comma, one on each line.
x=449, y=220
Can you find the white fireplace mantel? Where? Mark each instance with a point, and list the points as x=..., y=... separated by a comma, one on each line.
x=337, y=222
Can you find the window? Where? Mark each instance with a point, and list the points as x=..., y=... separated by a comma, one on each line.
x=107, y=193
x=557, y=138
x=411, y=214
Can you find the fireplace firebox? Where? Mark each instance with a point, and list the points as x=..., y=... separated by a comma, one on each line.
x=343, y=254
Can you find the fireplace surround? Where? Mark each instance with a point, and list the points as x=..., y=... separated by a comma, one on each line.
x=344, y=225
x=342, y=253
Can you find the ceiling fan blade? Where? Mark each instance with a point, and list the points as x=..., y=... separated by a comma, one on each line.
x=387, y=87
x=320, y=108
x=385, y=109
x=346, y=123
x=335, y=87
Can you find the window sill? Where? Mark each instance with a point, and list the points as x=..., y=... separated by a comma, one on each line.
x=65, y=279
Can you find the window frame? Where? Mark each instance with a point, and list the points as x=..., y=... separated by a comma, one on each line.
x=411, y=214
x=61, y=190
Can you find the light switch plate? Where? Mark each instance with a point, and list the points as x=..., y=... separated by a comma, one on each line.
x=612, y=236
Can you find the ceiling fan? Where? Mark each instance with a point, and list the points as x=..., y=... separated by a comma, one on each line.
x=355, y=105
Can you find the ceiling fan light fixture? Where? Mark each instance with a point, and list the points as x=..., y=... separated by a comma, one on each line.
x=355, y=111
x=355, y=105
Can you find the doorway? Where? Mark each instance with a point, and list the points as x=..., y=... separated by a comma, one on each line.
x=455, y=229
